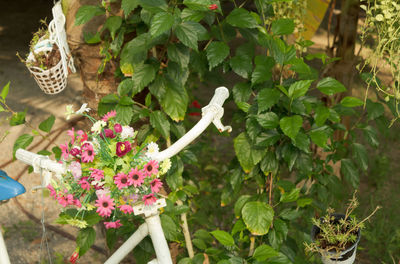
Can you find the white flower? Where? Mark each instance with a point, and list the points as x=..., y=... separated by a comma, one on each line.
x=96, y=128
x=83, y=109
x=152, y=148
x=165, y=166
x=127, y=131
x=69, y=111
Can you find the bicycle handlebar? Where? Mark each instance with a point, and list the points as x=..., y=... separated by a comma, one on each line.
x=210, y=113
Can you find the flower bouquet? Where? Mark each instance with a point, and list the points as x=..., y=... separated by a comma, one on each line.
x=107, y=173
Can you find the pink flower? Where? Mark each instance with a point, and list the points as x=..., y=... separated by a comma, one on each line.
x=82, y=136
x=109, y=115
x=123, y=148
x=77, y=203
x=97, y=174
x=71, y=133
x=75, y=151
x=121, y=180
x=74, y=257
x=115, y=224
x=156, y=185
x=118, y=128
x=70, y=199
x=108, y=133
x=84, y=184
x=151, y=168
x=64, y=150
x=105, y=205
x=126, y=209
x=87, y=153
x=53, y=192
x=213, y=7
x=149, y=199
x=136, y=177
x=76, y=169
x=61, y=200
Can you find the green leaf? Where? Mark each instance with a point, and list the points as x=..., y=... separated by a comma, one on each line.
x=319, y=137
x=360, y=155
x=187, y=34
x=179, y=53
x=241, y=92
x=200, y=244
x=192, y=15
x=371, y=136
x=160, y=23
x=174, y=102
x=199, y=5
x=242, y=18
x=263, y=70
x=291, y=196
x=128, y=6
x=299, y=88
x=267, y=138
x=302, y=141
x=85, y=239
x=4, y=91
x=223, y=237
x=154, y=6
x=159, y=121
x=258, y=217
x=350, y=101
x=57, y=152
x=92, y=38
x=238, y=227
x=242, y=65
x=243, y=106
x=171, y=229
x=86, y=13
x=350, y=172
x=22, y=142
x=241, y=201
x=330, y=86
x=125, y=87
x=374, y=109
x=216, y=52
x=283, y=26
x=243, y=152
x=267, y=98
x=124, y=114
x=18, y=118
x=291, y=125
x=268, y=120
x=47, y=124
x=113, y=23
x=264, y=252
x=142, y=76
x=269, y=164
x=302, y=202
x=322, y=113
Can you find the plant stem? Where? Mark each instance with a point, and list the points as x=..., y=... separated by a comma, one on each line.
x=186, y=232
x=252, y=244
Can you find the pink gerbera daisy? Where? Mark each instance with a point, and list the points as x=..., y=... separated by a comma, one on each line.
x=109, y=115
x=64, y=150
x=97, y=174
x=149, y=199
x=87, y=153
x=115, y=224
x=77, y=203
x=156, y=185
x=61, y=200
x=136, y=177
x=126, y=209
x=151, y=168
x=84, y=184
x=121, y=180
x=105, y=205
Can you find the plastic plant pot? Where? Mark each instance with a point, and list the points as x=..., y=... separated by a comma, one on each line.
x=346, y=256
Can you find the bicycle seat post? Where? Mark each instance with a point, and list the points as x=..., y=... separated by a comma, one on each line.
x=153, y=221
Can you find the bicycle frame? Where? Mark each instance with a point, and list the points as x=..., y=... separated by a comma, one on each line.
x=212, y=113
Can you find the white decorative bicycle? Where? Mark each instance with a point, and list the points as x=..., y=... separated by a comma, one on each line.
x=212, y=113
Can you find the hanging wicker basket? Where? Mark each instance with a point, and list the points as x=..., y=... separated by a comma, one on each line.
x=52, y=80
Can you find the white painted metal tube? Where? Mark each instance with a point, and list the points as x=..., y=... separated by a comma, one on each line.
x=38, y=160
x=157, y=237
x=213, y=112
x=130, y=244
x=4, y=259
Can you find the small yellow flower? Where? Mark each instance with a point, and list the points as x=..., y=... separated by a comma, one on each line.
x=77, y=223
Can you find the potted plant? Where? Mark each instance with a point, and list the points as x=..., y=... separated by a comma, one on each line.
x=336, y=236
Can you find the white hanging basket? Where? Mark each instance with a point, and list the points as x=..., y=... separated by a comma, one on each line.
x=53, y=80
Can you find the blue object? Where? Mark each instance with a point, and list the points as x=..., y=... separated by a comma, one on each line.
x=9, y=188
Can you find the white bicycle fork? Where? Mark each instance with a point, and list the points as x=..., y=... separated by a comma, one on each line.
x=4, y=259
